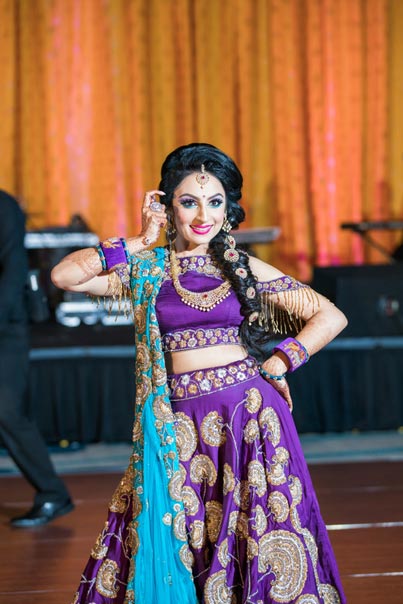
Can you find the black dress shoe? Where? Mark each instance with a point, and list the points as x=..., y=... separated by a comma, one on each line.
x=42, y=514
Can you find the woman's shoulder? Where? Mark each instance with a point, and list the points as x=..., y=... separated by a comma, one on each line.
x=264, y=271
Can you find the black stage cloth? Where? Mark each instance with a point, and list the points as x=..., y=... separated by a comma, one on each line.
x=82, y=384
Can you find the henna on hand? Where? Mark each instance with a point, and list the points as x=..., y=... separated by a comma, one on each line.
x=89, y=263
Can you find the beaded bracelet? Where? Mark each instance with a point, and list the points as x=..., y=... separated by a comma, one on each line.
x=112, y=252
x=295, y=352
x=270, y=376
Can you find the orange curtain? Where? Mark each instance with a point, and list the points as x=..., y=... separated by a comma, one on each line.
x=304, y=94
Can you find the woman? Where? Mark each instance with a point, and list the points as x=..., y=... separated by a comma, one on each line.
x=217, y=505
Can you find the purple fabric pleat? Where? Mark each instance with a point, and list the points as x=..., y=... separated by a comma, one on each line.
x=251, y=515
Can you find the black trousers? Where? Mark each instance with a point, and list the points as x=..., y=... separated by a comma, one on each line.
x=18, y=432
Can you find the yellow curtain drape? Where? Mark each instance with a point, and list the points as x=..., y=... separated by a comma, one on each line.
x=304, y=94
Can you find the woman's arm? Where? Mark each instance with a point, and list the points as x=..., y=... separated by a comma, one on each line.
x=323, y=322
x=81, y=271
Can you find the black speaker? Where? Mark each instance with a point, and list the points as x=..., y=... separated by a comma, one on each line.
x=370, y=296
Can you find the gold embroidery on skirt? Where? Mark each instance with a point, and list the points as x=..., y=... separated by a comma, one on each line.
x=279, y=506
x=253, y=400
x=275, y=474
x=283, y=552
x=202, y=468
x=260, y=520
x=228, y=479
x=213, y=519
x=186, y=556
x=251, y=431
x=307, y=599
x=197, y=534
x=256, y=477
x=216, y=590
x=212, y=429
x=106, y=579
x=100, y=550
x=186, y=436
x=252, y=549
x=268, y=418
x=242, y=494
x=190, y=500
x=223, y=555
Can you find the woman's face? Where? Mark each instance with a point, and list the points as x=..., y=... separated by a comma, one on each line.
x=198, y=212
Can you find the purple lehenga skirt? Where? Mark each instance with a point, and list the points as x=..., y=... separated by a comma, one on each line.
x=252, y=518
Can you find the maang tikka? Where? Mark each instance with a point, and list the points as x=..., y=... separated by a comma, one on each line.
x=202, y=177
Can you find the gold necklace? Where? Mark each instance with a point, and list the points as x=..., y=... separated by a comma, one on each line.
x=204, y=301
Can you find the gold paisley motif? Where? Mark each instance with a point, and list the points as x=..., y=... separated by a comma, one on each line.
x=186, y=557
x=154, y=334
x=175, y=485
x=100, y=550
x=279, y=506
x=228, y=479
x=329, y=594
x=213, y=519
x=106, y=579
x=251, y=431
x=253, y=400
x=260, y=520
x=311, y=547
x=190, y=500
x=137, y=428
x=223, y=555
x=283, y=552
x=242, y=526
x=256, y=477
x=143, y=361
x=269, y=419
x=242, y=494
x=143, y=388
x=197, y=534
x=295, y=487
x=212, y=429
x=121, y=497
x=186, y=436
x=179, y=525
x=275, y=474
x=140, y=318
x=202, y=468
x=232, y=522
x=307, y=599
x=162, y=410
x=216, y=590
x=252, y=548
x=159, y=375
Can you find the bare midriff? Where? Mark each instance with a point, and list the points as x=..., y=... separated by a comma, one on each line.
x=203, y=358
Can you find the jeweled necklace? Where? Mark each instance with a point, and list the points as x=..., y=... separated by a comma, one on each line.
x=204, y=301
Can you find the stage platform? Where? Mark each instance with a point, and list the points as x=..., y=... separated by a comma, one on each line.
x=82, y=384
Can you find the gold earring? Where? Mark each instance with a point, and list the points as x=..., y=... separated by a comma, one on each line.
x=226, y=225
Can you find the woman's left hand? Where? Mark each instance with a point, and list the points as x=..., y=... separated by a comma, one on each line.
x=277, y=367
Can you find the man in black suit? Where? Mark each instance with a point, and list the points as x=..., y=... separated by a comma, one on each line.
x=20, y=434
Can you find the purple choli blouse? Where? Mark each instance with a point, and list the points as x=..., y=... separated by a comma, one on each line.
x=183, y=327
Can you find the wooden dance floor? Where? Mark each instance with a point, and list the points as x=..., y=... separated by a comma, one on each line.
x=362, y=504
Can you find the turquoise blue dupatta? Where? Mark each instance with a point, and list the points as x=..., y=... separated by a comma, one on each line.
x=161, y=563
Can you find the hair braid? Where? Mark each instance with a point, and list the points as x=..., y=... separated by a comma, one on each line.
x=253, y=336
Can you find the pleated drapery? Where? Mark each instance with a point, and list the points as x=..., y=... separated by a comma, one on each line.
x=304, y=94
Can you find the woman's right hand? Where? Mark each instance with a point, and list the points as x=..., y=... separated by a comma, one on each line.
x=153, y=217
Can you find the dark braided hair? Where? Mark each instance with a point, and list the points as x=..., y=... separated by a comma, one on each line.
x=186, y=160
